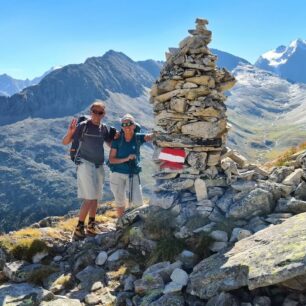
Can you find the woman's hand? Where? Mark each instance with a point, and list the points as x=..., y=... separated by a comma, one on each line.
x=148, y=137
x=131, y=157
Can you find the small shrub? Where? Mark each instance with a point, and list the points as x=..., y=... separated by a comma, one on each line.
x=125, y=235
x=200, y=245
x=39, y=275
x=166, y=250
x=160, y=223
x=196, y=221
x=148, y=278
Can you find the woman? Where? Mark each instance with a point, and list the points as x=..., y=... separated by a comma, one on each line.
x=124, y=162
x=90, y=136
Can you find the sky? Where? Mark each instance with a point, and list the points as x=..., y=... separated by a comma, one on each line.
x=36, y=35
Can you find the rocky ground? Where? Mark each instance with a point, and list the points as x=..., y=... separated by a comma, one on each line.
x=244, y=245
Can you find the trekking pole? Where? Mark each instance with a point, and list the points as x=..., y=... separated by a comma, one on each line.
x=130, y=182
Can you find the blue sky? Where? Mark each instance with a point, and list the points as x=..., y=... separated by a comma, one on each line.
x=38, y=34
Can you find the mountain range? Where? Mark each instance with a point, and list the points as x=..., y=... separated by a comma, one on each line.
x=10, y=86
x=72, y=88
x=36, y=177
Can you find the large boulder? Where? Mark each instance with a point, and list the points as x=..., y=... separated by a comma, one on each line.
x=23, y=294
x=274, y=255
x=291, y=205
x=20, y=271
x=257, y=202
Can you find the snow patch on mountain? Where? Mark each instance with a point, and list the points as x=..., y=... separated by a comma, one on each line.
x=289, y=62
x=281, y=54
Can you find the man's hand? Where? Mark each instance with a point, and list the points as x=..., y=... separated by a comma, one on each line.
x=70, y=131
x=72, y=126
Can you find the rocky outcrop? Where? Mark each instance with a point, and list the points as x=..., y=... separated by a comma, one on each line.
x=275, y=255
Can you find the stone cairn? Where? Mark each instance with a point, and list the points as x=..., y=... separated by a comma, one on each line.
x=189, y=111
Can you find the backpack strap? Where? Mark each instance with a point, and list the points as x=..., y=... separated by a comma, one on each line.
x=84, y=129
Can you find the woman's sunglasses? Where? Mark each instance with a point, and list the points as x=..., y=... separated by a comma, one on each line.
x=124, y=124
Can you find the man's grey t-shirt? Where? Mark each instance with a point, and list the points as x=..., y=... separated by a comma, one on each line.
x=91, y=148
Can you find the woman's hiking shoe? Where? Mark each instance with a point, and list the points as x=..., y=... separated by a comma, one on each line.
x=92, y=229
x=79, y=233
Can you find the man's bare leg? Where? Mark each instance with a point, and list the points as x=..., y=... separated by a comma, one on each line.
x=93, y=209
x=120, y=211
x=85, y=209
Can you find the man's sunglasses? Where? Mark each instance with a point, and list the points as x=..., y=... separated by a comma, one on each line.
x=124, y=124
x=97, y=112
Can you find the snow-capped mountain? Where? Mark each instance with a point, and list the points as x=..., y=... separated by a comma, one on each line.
x=288, y=62
x=9, y=86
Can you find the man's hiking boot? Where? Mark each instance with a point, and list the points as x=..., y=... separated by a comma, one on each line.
x=92, y=229
x=79, y=233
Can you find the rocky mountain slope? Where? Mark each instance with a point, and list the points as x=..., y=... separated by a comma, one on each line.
x=9, y=85
x=227, y=60
x=289, y=62
x=266, y=113
x=243, y=245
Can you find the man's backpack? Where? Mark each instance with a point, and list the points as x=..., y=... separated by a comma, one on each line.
x=76, y=144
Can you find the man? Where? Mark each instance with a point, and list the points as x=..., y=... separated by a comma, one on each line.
x=124, y=163
x=90, y=136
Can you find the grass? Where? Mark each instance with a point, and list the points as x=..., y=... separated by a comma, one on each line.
x=65, y=281
x=28, y=232
x=285, y=157
x=27, y=242
x=117, y=274
x=23, y=244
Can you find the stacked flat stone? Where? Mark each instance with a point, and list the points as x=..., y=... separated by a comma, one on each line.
x=190, y=113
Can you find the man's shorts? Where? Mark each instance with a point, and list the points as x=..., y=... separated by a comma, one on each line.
x=90, y=181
